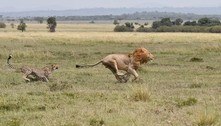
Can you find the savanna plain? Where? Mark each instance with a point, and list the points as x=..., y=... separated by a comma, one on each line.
x=181, y=87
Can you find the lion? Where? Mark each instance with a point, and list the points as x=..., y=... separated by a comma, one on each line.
x=30, y=72
x=125, y=62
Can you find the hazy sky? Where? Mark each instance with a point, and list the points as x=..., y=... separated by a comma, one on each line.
x=26, y=5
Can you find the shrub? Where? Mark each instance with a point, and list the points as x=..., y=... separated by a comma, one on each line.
x=22, y=26
x=144, y=29
x=190, y=23
x=166, y=22
x=156, y=24
x=123, y=28
x=178, y=21
x=116, y=22
x=2, y=25
x=215, y=29
x=129, y=25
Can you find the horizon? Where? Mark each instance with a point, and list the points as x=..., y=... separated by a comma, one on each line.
x=107, y=8
x=46, y=5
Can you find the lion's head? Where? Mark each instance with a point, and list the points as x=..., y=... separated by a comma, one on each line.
x=142, y=55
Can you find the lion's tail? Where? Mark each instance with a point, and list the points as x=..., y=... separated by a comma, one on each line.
x=91, y=65
x=8, y=62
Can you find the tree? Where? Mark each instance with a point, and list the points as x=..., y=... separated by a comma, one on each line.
x=214, y=22
x=2, y=25
x=51, y=21
x=116, y=22
x=146, y=23
x=178, y=21
x=190, y=23
x=39, y=19
x=22, y=26
x=208, y=22
x=166, y=22
x=156, y=24
x=129, y=25
x=204, y=21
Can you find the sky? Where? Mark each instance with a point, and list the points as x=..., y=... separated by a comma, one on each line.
x=30, y=5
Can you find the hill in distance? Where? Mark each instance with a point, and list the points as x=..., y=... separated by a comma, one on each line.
x=112, y=11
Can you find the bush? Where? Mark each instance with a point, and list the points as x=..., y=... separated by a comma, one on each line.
x=2, y=25
x=215, y=29
x=22, y=26
x=166, y=22
x=144, y=29
x=123, y=28
x=208, y=22
x=204, y=29
x=190, y=23
x=156, y=24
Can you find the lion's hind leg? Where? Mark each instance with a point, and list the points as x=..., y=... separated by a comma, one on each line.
x=113, y=69
x=113, y=63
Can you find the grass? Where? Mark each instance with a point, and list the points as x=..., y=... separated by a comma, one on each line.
x=91, y=96
x=140, y=93
x=207, y=119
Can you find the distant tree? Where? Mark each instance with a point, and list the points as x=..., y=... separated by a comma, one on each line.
x=39, y=19
x=146, y=23
x=51, y=21
x=156, y=24
x=208, y=22
x=166, y=22
x=204, y=21
x=92, y=22
x=116, y=22
x=136, y=23
x=129, y=25
x=2, y=25
x=178, y=21
x=22, y=26
x=215, y=22
x=190, y=23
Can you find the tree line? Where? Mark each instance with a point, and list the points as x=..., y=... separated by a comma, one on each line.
x=178, y=25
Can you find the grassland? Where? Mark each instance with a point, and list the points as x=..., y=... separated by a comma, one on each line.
x=175, y=90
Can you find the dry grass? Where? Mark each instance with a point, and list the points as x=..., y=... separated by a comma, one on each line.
x=140, y=93
x=207, y=119
x=92, y=96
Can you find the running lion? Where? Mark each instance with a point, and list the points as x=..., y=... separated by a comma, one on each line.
x=126, y=62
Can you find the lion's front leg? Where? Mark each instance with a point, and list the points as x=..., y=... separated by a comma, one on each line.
x=133, y=72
